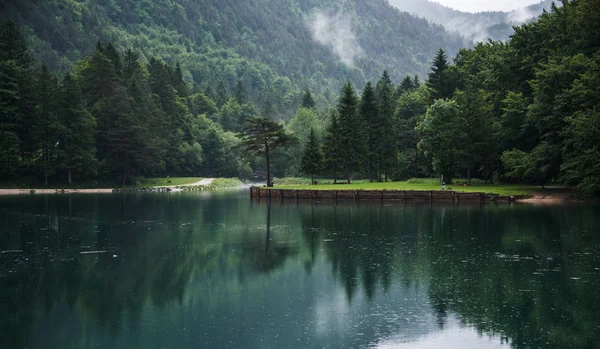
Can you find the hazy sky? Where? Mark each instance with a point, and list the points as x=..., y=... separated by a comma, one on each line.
x=486, y=5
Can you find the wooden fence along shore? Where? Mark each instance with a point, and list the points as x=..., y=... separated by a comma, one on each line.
x=382, y=195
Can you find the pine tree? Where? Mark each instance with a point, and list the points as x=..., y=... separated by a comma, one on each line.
x=333, y=162
x=46, y=125
x=406, y=85
x=241, y=96
x=10, y=144
x=17, y=68
x=352, y=132
x=221, y=95
x=369, y=111
x=437, y=82
x=178, y=82
x=312, y=158
x=262, y=136
x=386, y=137
x=76, y=143
x=416, y=82
x=385, y=82
x=307, y=100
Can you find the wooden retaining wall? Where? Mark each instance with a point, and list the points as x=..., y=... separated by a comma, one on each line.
x=382, y=195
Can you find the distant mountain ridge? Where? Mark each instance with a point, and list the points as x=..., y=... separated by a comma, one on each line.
x=481, y=26
x=276, y=48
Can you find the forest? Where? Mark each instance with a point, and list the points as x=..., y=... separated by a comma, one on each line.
x=274, y=47
x=525, y=110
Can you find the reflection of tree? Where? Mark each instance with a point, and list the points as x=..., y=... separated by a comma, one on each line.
x=491, y=267
x=482, y=264
x=363, y=244
x=155, y=244
x=506, y=281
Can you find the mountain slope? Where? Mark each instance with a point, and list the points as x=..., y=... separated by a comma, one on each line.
x=481, y=26
x=276, y=48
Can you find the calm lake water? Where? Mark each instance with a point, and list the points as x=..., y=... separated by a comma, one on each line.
x=221, y=271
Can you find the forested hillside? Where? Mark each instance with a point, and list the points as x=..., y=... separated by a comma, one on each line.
x=481, y=26
x=276, y=48
x=525, y=110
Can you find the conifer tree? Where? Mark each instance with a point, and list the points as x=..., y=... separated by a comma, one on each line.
x=386, y=140
x=46, y=122
x=312, y=158
x=241, y=96
x=261, y=137
x=333, y=163
x=406, y=85
x=221, y=96
x=370, y=113
x=437, y=82
x=307, y=100
x=76, y=143
x=351, y=133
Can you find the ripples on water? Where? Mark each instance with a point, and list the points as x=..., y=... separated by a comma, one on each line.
x=220, y=271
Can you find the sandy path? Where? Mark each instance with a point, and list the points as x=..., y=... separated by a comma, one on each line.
x=205, y=181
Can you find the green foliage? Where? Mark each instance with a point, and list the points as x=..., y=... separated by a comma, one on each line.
x=443, y=138
x=261, y=137
x=312, y=158
x=267, y=46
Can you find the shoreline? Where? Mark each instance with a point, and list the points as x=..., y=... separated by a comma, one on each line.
x=54, y=191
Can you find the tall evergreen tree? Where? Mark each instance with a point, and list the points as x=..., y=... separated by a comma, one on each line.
x=387, y=137
x=437, y=82
x=10, y=118
x=369, y=111
x=406, y=85
x=241, y=96
x=46, y=124
x=308, y=101
x=352, y=132
x=221, y=95
x=77, y=144
x=332, y=144
x=312, y=158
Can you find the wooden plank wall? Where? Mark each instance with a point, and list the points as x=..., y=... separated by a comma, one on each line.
x=383, y=195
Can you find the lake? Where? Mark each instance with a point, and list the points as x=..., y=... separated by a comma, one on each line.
x=219, y=270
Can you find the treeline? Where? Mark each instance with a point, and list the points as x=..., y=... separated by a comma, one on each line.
x=268, y=45
x=113, y=118
x=526, y=110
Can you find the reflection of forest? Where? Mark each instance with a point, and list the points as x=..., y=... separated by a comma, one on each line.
x=524, y=273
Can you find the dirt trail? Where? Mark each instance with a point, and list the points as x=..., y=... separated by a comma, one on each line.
x=205, y=181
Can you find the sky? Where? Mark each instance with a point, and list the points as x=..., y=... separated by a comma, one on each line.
x=486, y=5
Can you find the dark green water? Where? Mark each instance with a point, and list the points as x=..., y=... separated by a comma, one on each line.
x=220, y=271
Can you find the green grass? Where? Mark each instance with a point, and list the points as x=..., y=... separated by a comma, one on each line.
x=165, y=182
x=422, y=184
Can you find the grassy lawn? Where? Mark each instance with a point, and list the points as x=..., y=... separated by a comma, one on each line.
x=419, y=184
x=165, y=182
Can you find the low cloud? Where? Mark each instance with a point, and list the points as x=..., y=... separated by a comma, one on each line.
x=334, y=30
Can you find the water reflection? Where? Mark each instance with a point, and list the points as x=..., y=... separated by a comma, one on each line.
x=221, y=271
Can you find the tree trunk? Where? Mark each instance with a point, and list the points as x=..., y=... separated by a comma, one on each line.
x=469, y=175
x=69, y=176
x=312, y=179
